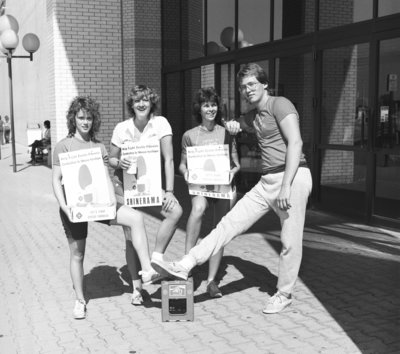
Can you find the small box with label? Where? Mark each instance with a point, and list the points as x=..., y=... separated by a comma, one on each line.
x=177, y=300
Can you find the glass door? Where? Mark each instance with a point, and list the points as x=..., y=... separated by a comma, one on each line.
x=387, y=132
x=344, y=119
x=248, y=149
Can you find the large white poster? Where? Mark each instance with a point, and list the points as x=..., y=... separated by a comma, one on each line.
x=142, y=181
x=85, y=184
x=208, y=168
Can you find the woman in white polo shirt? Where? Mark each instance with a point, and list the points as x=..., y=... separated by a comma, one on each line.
x=144, y=124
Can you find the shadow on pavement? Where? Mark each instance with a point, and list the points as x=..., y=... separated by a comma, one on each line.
x=355, y=276
x=353, y=272
x=360, y=292
x=104, y=281
x=254, y=275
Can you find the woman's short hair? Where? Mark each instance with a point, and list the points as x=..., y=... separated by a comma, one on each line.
x=46, y=123
x=206, y=94
x=138, y=92
x=88, y=105
x=252, y=69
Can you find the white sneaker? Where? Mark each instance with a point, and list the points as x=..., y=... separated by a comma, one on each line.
x=79, y=311
x=137, y=298
x=150, y=277
x=172, y=270
x=277, y=303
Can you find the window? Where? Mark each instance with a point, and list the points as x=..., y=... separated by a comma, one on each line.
x=345, y=108
x=388, y=7
x=343, y=177
x=220, y=26
x=387, y=132
x=388, y=122
x=293, y=17
x=294, y=80
x=334, y=13
x=254, y=22
x=249, y=152
x=227, y=90
x=387, y=188
x=193, y=82
x=173, y=111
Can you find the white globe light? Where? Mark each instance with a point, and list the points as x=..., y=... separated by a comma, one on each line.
x=228, y=36
x=31, y=42
x=8, y=22
x=9, y=39
x=3, y=50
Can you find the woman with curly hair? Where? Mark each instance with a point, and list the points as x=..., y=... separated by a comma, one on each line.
x=83, y=121
x=143, y=124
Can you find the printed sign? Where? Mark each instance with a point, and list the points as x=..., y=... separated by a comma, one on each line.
x=142, y=181
x=208, y=164
x=384, y=116
x=392, y=82
x=209, y=167
x=85, y=184
x=212, y=191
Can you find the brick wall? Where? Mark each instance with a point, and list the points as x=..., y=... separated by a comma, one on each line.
x=343, y=13
x=338, y=110
x=141, y=44
x=192, y=29
x=86, y=38
x=171, y=32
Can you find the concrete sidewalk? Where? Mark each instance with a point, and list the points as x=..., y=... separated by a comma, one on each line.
x=347, y=299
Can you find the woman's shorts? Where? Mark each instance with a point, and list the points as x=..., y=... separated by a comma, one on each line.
x=77, y=230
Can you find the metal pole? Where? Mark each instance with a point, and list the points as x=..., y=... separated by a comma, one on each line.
x=11, y=111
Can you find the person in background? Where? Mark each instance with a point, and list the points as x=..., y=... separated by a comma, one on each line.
x=284, y=187
x=1, y=131
x=207, y=111
x=145, y=124
x=42, y=143
x=83, y=121
x=7, y=129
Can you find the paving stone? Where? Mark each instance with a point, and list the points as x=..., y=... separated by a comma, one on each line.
x=346, y=297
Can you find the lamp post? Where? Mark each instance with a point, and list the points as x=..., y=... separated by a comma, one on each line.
x=8, y=43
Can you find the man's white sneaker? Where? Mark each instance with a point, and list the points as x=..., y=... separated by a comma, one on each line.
x=79, y=311
x=150, y=277
x=170, y=269
x=277, y=303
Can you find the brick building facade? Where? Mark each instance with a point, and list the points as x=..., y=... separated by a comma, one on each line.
x=331, y=58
